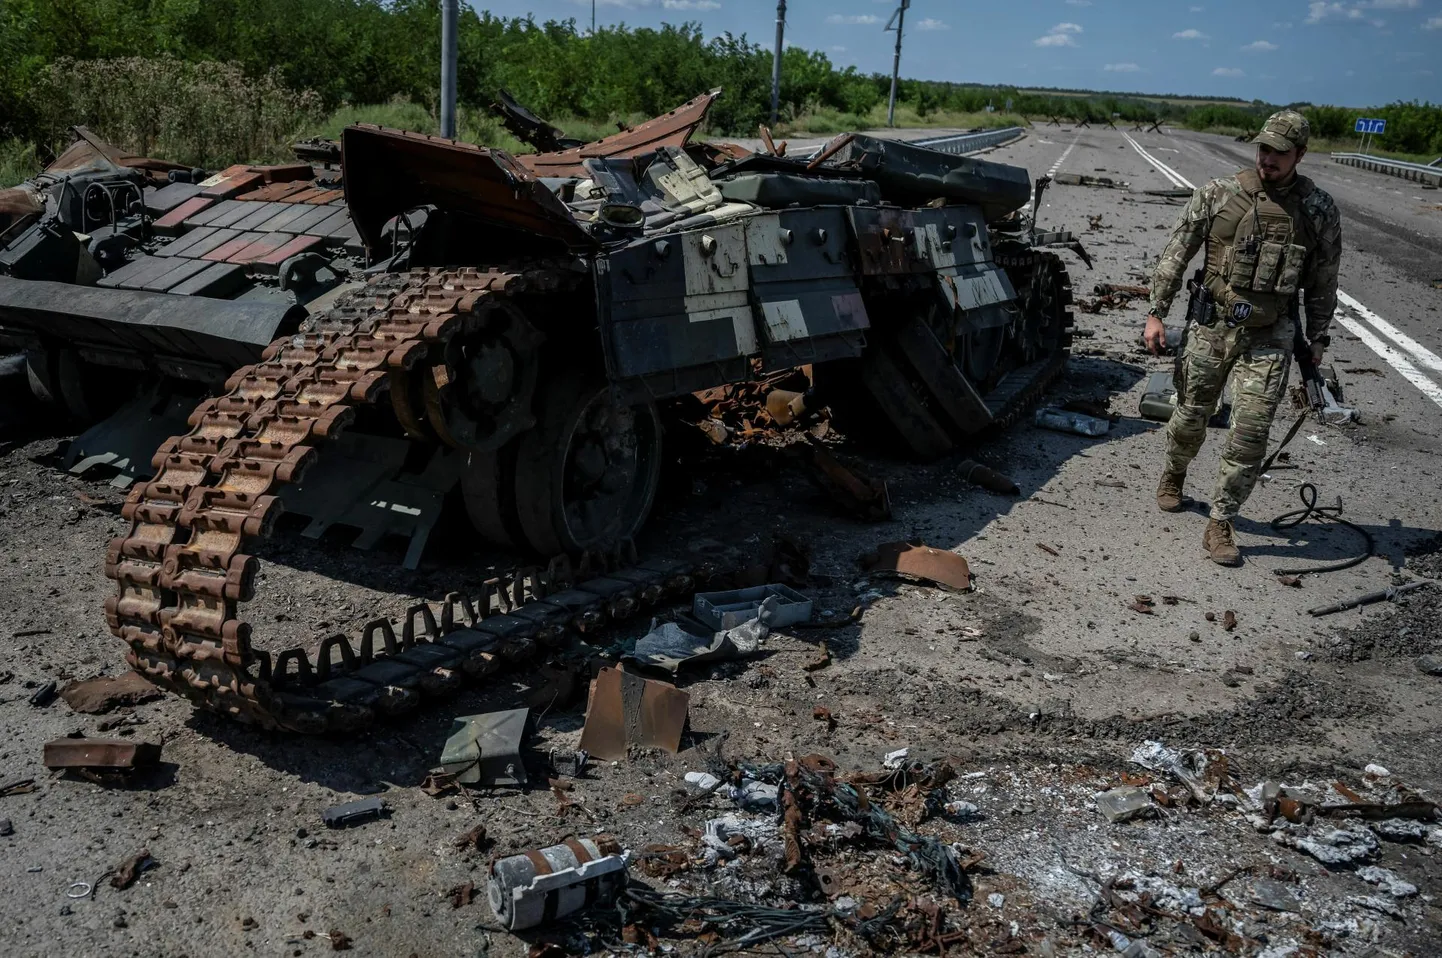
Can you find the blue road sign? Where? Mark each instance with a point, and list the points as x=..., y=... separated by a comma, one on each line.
x=1365, y=125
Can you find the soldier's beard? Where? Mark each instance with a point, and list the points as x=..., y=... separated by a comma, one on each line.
x=1275, y=176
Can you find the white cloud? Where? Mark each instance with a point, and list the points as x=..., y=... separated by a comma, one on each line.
x=838, y=49
x=1424, y=73
x=864, y=19
x=1196, y=9
x=1079, y=3
x=1189, y=34
x=1350, y=73
x=930, y=24
x=1227, y=72
x=1434, y=24
x=1121, y=68
x=1392, y=4
x=1060, y=35
x=690, y=4
x=1259, y=46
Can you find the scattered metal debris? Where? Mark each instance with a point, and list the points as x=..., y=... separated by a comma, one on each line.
x=1059, y=420
x=44, y=695
x=99, y=753
x=1367, y=598
x=474, y=840
x=1125, y=804
x=20, y=786
x=987, y=478
x=726, y=610
x=548, y=883
x=127, y=872
x=914, y=561
x=1082, y=179
x=99, y=695
x=353, y=813
x=486, y=749
x=626, y=710
x=861, y=496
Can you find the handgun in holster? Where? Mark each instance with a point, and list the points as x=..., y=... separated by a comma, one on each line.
x=1201, y=304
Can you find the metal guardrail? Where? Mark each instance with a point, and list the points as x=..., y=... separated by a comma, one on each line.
x=970, y=142
x=1409, y=171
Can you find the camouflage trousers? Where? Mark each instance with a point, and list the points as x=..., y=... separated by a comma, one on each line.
x=1258, y=360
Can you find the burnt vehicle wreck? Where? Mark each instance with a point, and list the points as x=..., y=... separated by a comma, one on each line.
x=352, y=336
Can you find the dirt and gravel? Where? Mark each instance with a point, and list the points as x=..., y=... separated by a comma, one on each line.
x=1037, y=688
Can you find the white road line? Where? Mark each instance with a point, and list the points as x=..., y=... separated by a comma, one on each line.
x=1393, y=358
x=1398, y=360
x=1418, y=352
x=1062, y=159
x=1052, y=172
x=1176, y=178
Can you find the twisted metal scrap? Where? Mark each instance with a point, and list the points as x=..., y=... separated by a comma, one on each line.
x=811, y=782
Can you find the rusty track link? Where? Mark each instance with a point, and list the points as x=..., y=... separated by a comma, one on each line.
x=182, y=572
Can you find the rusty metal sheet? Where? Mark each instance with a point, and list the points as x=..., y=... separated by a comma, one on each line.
x=268, y=243
x=276, y=192
x=90, y=151
x=296, y=245
x=627, y=710
x=669, y=129
x=226, y=187
x=224, y=252
x=921, y=562
x=20, y=201
x=172, y=221
x=387, y=172
x=99, y=753
x=285, y=172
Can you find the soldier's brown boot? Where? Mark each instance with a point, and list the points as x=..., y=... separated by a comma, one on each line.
x=1220, y=543
x=1169, y=491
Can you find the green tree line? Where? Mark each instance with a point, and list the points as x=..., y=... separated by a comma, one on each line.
x=374, y=51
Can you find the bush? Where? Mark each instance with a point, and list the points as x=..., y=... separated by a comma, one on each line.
x=18, y=162
x=203, y=114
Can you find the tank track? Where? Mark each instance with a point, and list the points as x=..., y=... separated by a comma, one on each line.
x=1022, y=388
x=182, y=573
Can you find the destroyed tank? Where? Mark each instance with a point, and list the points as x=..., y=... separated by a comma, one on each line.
x=511, y=325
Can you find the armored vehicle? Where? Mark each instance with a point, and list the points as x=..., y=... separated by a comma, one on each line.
x=509, y=324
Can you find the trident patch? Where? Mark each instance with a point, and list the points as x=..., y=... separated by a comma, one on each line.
x=1241, y=312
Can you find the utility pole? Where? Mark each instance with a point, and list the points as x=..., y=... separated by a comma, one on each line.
x=776, y=60
x=898, y=18
x=593, y=18
x=449, y=12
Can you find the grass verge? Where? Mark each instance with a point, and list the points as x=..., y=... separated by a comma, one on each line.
x=18, y=162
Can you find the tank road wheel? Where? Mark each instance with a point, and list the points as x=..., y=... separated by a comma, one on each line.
x=59, y=377
x=587, y=474
x=980, y=354
x=486, y=492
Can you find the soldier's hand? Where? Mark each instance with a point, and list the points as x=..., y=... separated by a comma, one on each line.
x=1317, y=350
x=1155, y=335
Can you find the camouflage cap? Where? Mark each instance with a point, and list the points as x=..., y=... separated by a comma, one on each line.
x=1284, y=131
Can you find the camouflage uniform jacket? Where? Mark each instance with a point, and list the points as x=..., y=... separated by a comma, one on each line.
x=1319, y=271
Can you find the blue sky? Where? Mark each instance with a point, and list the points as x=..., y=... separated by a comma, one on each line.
x=1353, y=53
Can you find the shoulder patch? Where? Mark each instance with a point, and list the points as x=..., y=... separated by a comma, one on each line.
x=1320, y=210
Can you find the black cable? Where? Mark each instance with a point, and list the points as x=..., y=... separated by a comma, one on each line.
x=1288, y=520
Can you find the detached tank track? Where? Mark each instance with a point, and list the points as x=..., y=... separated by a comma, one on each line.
x=181, y=573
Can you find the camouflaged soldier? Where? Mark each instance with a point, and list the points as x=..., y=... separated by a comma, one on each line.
x=1266, y=233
